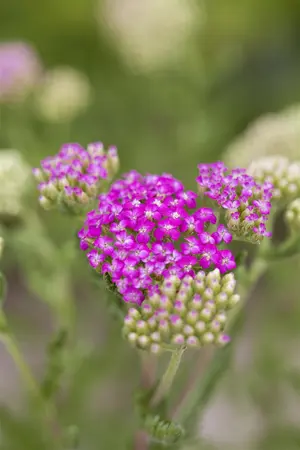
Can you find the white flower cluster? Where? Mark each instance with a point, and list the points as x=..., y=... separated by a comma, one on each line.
x=278, y=170
x=63, y=95
x=14, y=176
x=150, y=33
x=272, y=134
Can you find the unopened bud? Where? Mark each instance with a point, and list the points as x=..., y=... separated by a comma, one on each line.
x=292, y=215
x=186, y=318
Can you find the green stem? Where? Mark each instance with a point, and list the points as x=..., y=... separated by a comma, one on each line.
x=32, y=386
x=197, y=398
x=168, y=377
x=12, y=349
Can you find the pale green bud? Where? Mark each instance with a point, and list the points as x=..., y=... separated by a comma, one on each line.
x=185, y=318
x=292, y=215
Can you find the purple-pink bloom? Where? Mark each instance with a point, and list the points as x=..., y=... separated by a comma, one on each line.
x=20, y=71
x=167, y=229
x=225, y=261
x=222, y=235
x=147, y=229
x=243, y=199
x=75, y=176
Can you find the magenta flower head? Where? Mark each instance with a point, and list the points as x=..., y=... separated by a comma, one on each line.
x=147, y=229
x=73, y=178
x=20, y=70
x=244, y=202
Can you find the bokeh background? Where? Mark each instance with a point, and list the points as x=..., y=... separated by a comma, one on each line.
x=171, y=83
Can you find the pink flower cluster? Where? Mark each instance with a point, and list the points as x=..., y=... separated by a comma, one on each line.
x=147, y=229
x=76, y=172
x=247, y=203
x=20, y=70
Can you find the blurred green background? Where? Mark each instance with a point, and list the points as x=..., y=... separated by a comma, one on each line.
x=173, y=82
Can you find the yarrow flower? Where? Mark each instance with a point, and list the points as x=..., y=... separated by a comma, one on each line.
x=20, y=70
x=75, y=176
x=147, y=229
x=246, y=203
x=63, y=94
x=292, y=215
x=269, y=135
x=140, y=31
x=280, y=172
x=189, y=312
x=14, y=181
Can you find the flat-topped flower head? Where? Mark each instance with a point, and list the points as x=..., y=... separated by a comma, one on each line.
x=147, y=228
x=191, y=312
x=292, y=215
x=20, y=70
x=74, y=177
x=283, y=174
x=245, y=202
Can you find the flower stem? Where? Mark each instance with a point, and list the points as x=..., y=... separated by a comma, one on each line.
x=168, y=377
x=198, y=397
x=12, y=348
x=30, y=382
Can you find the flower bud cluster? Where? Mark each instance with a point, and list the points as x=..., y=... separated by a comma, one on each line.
x=149, y=228
x=292, y=215
x=280, y=172
x=245, y=202
x=189, y=312
x=14, y=177
x=20, y=70
x=75, y=176
x=62, y=95
x=269, y=135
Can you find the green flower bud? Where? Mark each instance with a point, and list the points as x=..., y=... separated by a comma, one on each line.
x=278, y=170
x=184, y=317
x=292, y=215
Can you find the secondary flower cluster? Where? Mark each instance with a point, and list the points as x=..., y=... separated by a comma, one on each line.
x=20, y=70
x=278, y=170
x=75, y=176
x=190, y=312
x=246, y=203
x=147, y=229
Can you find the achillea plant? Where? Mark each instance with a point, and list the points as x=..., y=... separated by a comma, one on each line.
x=167, y=255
